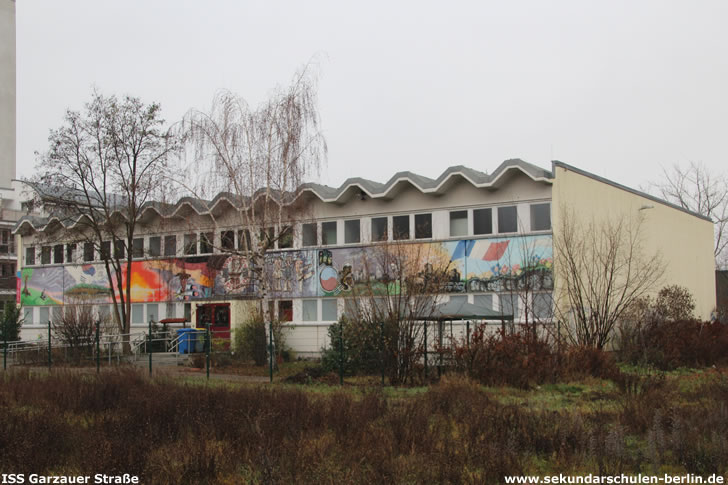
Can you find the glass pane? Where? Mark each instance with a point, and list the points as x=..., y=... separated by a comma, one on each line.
x=244, y=243
x=423, y=226
x=507, y=219
x=309, y=235
x=119, y=249
x=485, y=301
x=44, y=315
x=310, y=310
x=170, y=245
x=57, y=314
x=45, y=255
x=483, y=221
x=137, y=314
x=137, y=248
x=459, y=223
x=400, y=227
x=88, y=251
x=328, y=233
x=285, y=238
x=206, y=242
x=105, y=314
x=509, y=304
x=458, y=300
x=328, y=310
x=58, y=254
x=352, y=231
x=227, y=240
x=153, y=312
x=70, y=253
x=155, y=246
x=285, y=310
x=28, y=315
x=542, y=306
x=105, y=250
x=30, y=256
x=379, y=229
x=540, y=217
x=190, y=243
x=171, y=310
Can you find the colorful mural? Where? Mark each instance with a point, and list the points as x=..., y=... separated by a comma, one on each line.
x=479, y=265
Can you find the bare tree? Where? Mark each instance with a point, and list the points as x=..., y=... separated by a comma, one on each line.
x=601, y=270
x=258, y=157
x=102, y=166
x=696, y=189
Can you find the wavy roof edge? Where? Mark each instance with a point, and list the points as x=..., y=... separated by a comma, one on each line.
x=372, y=189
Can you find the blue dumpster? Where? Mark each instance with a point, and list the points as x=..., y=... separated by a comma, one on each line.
x=187, y=340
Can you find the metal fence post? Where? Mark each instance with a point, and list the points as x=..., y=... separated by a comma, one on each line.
x=98, y=349
x=5, y=348
x=208, y=343
x=381, y=349
x=270, y=349
x=467, y=333
x=49, y=345
x=341, y=354
x=425, y=324
x=149, y=346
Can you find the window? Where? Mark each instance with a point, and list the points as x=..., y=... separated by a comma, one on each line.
x=171, y=310
x=400, y=227
x=267, y=236
x=285, y=310
x=509, y=305
x=105, y=314
x=351, y=308
x=507, y=219
x=119, y=249
x=190, y=243
x=137, y=314
x=153, y=312
x=329, y=311
x=458, y=223
x=285, y=238
x=44, y=315
x=483, y=221
x=423, y=226
x=352, y=231
x=542, y=306
x=188, y=312
x=28, y=315
x=58, y=254
x=105, y=250
x=155, y=246
x=170, y=245
x=45, y=255
x=458, y=299
x=57, y=314
x=310, y=310
x=88, y=251
x=309, y=235
x=227, y=240
x=30, y=256
x=70, y=253
x=485, y=301
x=137, y=247
x=540, y=217
x=328, y=233
x=206, y=242
x=244, y=243
x=379, y=229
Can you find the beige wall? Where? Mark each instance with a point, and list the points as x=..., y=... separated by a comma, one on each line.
x=684, y=241
x=7, y=92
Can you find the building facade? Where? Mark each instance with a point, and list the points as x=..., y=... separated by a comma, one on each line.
x=492, y=233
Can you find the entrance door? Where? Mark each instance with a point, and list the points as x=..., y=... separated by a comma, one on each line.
x=218, y=316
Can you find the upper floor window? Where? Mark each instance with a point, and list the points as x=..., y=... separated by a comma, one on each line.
x=308, y=235
x=507, y=219
x=119, y=249
x=328, y=233
x=155, y=246
x=379, y=229
x=352, y=231
x=400, y=227
x=137, y=247
x=190, y=241
x=88, y=251
x=458, y=223
x=244, y=242
x=540, y=217
x=58, y=254
x=483, y=221
x=105, y=250
x=30, y=256
x=423, y=226
x=45, y=255
x=206, y=242
x=70, y=253
x=285, y=238
x=170, y=245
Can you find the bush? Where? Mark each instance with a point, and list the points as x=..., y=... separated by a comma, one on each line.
x=251, y=340
x=11, y=322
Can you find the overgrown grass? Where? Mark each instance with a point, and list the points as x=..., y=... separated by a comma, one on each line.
x=454, y=432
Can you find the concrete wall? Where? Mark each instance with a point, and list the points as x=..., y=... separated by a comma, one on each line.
x=684, y=241
x=7, y=92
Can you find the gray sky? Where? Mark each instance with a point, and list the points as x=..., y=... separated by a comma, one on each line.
x=619, y=88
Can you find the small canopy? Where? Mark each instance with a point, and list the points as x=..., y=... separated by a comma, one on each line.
x=456, y=310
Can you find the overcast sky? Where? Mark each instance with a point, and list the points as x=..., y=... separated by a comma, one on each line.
x=619, y=88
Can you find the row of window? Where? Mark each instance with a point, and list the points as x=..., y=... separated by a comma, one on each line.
x=485, y=221
x=141, y=313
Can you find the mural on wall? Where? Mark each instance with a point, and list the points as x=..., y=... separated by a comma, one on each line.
x=481, y=265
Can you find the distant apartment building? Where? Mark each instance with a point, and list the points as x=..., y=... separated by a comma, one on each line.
x=492, y=231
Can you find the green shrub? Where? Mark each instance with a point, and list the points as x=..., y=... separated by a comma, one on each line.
x=11, y=322
x=250, y=340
